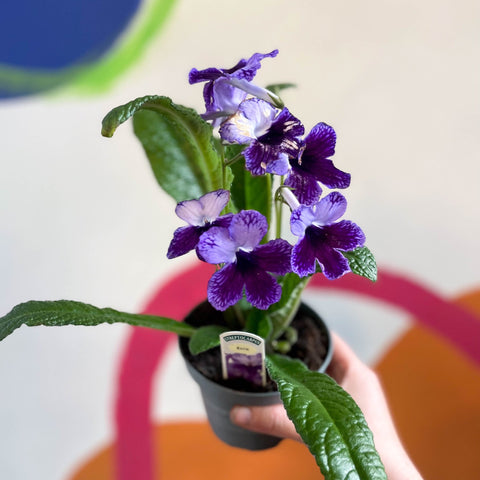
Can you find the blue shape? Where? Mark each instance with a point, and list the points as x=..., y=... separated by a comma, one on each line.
x=55, y=34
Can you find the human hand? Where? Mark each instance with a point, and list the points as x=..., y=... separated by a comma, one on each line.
x=363, y=385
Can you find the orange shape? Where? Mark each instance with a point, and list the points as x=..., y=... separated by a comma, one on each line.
x=434, y=394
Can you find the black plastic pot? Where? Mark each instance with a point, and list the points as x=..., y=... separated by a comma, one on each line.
x=219, y=399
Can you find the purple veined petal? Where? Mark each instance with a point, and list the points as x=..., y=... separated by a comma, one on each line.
x=345, y=235
x=261, y=289
x=243, y=69
x=205, y=209
x=206, y=75
x=273, y=256
x=249, y=69
x=225, y=287
x=284, y=133
x=279, y=166
x=258, y=156
x=329, y=209
x=325, y=172
x=320, y=142
x=303, y=257
x=333, y=263
x=247, y=229
x=184, y=240
x=214, y=202
x=300, y=219
x=313, y=159
x=191, y=212
x=305, y=187
x=253, y=118
x=226, y=98
x=216, y=246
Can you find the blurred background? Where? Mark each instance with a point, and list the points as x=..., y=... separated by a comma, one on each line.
x=81, y=216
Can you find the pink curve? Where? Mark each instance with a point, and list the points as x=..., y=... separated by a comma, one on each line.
x=452, y=322
x=145, y=348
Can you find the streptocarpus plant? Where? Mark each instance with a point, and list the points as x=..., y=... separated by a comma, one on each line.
x=235, y=170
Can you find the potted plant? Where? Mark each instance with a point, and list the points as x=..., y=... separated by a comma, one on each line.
x=237, y=172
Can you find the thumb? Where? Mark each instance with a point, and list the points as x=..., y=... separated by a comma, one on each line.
x=272, y=420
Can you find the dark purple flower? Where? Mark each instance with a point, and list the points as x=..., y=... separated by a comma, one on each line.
x=227, y=88
x=200, y=215
x=322, y=237
x=246, y=263
x=313, y=165
x=273, y=136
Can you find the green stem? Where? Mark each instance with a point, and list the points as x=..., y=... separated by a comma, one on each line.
x=278, y=214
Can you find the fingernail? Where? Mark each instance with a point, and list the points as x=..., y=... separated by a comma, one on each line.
x=241, y=415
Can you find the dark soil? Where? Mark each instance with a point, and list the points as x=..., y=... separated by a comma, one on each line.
x=311, y=346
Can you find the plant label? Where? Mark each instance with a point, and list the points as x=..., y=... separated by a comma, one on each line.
x=243, y=356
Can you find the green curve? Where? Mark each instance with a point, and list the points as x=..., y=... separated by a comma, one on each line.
x=100, y=75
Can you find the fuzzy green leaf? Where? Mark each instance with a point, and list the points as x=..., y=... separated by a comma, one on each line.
x=328, y=420
x=178, y=143
x=281, y=313
x=259, y=323
x=205, y=338
x=66, y=312
x=362, y=262
x=250, y=192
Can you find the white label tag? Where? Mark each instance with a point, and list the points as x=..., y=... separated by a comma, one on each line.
x=243, y=356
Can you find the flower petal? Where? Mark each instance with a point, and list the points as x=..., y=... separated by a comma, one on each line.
x=300, y=219
x=261, y=289
x=253, y=118
x=273, y=256
x=305, y=187
x=225, y=287
x=320, y=142
x=303, y=258
x=214, y=202
x=216, y=246
x=344, y=235
x=329, y=209
x=333, y=263
x=204, y=210
x=247, y=228
x=313, y=160
x=184, y=239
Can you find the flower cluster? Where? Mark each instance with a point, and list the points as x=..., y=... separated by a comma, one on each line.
x=274, y=143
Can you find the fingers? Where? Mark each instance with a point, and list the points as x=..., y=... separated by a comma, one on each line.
x=272, y=420
x=343, y=359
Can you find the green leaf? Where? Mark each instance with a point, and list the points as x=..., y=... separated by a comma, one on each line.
x=276, y=88
x=205, y=338
x=362, y=262
x=66, y=312
x=178, y=143
x=250, y=192
x=328, y=420
x=282, y=312
x=259, y=323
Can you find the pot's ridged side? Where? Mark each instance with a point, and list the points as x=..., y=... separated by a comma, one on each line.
x=219, y=400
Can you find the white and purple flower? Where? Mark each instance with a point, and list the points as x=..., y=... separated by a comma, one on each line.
x=313, y=166
x=201, y=215
x=227, y=88
x=272, y=135
x=322, y=238
x=246, y=262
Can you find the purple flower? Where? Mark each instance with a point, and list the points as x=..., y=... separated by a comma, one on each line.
x=246, y=262
x=227, y=88
x=313, y=165
x=322, y=238
x=273, y=136
x=200, y=215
